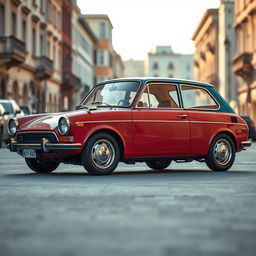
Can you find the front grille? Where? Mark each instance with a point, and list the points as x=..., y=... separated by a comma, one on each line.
x=36, y=137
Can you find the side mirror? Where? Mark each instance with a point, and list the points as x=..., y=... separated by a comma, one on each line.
x=17, y=112
x=6, y=113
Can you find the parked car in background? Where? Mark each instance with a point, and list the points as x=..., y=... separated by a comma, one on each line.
x=151, y=120
x=4, y=119
x=12, y=107
x=252, y=128
x=26, y=110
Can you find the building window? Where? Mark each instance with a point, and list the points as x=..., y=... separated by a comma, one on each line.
x=14, y=23
x=102, y=30
x=101, y=58
x=2, y=20
x=24, y=31
x=49, y=49
x=155, y=65
x=42, y=6
x=34, y=42
x=41, y=45
x=170, y=66
x=54, y=52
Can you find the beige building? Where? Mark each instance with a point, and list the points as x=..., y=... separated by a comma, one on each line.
x=108, y=62
x=30, y=52
x=206, y=53
x=215, y=45
x=244, y=62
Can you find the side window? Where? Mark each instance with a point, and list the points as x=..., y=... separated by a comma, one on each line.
x=159, y=96
x=197, y=98
x=163, y=96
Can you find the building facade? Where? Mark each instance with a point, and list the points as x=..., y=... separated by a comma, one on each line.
x=214, y=40
x=244, y=62
x=83, y=50
x=134, y=68
x=206, y=59
x=30, y=53
x=163, y=62
x=108, y=62
x=226, y=41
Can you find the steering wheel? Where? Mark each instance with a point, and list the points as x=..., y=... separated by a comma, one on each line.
x=123, y=102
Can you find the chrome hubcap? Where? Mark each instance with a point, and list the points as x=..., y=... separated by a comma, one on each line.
x=103, y=154
x=222, y=152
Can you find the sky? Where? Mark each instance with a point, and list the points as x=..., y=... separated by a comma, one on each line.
x=140, y=25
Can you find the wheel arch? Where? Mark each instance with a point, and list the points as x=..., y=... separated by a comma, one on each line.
x=227, y=132
x=119, y=139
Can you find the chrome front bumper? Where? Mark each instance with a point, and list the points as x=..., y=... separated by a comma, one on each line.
x=246, y=143
x=44, y=146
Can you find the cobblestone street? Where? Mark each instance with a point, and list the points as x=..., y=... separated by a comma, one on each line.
x=185, y=210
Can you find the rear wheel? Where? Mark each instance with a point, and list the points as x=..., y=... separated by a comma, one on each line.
x=221, y=155
x=41, y=166
x=158, y=164
x=101, y=154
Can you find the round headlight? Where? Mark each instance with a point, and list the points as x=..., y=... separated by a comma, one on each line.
x=13, y=126
x=64, y=125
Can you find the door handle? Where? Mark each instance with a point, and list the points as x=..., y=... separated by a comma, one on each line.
x=182, y=116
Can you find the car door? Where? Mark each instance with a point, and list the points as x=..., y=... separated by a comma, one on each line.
x=205, y=119
x=160, y=125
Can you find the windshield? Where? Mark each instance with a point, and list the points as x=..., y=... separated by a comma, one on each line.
x=8, y=107
x=119, y=94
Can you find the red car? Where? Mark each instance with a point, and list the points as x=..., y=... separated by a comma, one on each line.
x=152, y=120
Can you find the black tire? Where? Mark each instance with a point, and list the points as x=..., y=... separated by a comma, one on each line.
x=221, y=155
x=41, y=166
x=158, y=164
x=101, y=154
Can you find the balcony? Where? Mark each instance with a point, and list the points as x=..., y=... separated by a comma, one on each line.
x=12, y=51
x=242, y=65
x=44, y=68
x=71, y=81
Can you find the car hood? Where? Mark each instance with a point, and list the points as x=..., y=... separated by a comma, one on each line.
x=48, y=122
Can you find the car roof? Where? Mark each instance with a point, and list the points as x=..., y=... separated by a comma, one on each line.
x=6, y=100
x=156, y=79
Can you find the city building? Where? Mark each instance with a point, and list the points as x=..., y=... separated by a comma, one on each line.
x=105, y=54
x=214, y=40
x=30, y=53
x=118, y=66
x=134, y=68
x=244, y=61
x=163, y=62
x=83, y=48
x=206, y=48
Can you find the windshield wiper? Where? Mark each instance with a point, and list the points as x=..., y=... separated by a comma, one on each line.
x=102, y=103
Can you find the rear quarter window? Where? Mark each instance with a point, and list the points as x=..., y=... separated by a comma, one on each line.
x=198, y=98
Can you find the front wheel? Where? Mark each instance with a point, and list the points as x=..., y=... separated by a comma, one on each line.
x=41, y=166
x=158, y=164
x=101, y=154
x=221, y=155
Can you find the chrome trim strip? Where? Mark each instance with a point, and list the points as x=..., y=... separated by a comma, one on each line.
x=208, y=122
x=160, y=121
x=46, y=132
x=157, y=121
x=14, y=145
